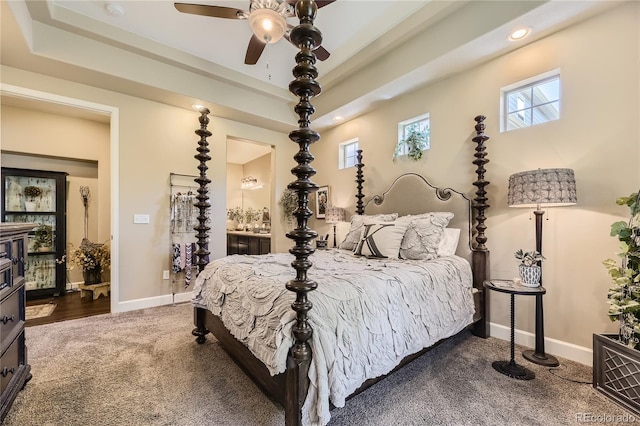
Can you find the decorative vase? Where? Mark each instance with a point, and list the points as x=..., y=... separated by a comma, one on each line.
x=240, y=226
x=92, y=276
x=30, y=206
x=530, y=275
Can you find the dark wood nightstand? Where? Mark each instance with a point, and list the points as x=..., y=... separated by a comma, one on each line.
x=510, y=368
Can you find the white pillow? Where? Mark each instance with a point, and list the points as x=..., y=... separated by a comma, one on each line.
x=380, y=239
x=423, y=235
x=449, y=242
x=355, y=231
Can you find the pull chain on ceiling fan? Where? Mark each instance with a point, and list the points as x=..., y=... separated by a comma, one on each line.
x=267, y=19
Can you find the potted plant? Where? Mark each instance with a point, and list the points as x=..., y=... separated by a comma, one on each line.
x=43, y=238
x=31, y=192
x=288, y=204
x=616, y=357
x=92, y=258
x=413, y=145
x=234, y=217
x=530, y=271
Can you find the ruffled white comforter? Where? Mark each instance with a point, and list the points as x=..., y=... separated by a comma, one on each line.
x=367, y=314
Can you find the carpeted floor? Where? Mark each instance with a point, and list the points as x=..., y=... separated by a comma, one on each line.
x=144, y=368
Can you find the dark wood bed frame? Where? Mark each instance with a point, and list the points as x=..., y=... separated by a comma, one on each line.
x=290, y=388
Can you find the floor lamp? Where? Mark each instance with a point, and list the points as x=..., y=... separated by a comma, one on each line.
x=536, y=189
x=334, y=215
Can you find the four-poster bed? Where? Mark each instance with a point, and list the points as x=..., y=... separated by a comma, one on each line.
x=278, y=339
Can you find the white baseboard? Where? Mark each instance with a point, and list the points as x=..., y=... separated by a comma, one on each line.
x=152, y=302
x=551, y=346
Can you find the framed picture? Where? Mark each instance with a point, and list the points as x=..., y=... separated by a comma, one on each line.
x=322, y=201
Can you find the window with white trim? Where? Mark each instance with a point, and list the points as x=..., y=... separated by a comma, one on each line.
x=530, y=102
x=347, y=155
x=419, y=124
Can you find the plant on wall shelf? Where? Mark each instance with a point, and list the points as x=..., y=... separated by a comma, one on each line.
x=413, y=145
x=624, y=294
x=288, y=204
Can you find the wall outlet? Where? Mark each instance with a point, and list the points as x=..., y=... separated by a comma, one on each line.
x=165, y=275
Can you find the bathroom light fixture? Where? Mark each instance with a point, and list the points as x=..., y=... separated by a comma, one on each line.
x=249, y=182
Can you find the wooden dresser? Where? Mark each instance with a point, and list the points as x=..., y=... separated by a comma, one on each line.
x=14, y=370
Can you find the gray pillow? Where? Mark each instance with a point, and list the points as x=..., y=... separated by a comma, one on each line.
x=355, y=231
x=423, y=235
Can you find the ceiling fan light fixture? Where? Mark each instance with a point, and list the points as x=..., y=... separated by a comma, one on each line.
x=267, y=24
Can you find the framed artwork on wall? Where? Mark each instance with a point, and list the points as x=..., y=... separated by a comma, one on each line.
x=322, y=201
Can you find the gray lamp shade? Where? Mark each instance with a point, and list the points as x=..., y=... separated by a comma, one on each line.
x=542, y=187
x=335, y=215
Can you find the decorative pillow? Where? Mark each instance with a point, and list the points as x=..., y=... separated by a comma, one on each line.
x=355, y=232
x=423, y=236
x=449, y=242
x=380, y=239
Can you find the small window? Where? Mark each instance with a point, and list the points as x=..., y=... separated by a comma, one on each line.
x=530, y=102
x=419, y=125
x=347, y=155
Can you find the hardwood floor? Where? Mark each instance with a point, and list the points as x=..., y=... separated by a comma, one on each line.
x=70, y=306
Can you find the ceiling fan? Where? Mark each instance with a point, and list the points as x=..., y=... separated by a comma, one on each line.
x=267, y=19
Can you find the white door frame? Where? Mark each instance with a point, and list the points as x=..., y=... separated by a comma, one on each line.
x=113, y=113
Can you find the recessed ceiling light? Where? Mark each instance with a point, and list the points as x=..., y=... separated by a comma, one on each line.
x=520, y=33
x=338, y=118
x=114, y=9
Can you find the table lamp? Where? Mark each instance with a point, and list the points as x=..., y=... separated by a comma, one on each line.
x=541, y=188
x=334, y=215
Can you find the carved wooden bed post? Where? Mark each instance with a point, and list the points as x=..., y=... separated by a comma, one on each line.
x=359, y=181
x=306, y=37
x=480, y=257
x=202, y=253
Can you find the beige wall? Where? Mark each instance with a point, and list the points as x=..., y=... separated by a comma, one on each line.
x=260, y=168
x=155, y=140
x=597, y=136
x=234, y=193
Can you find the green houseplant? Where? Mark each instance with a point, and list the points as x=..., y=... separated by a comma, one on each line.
x=616, y=357
x=43, y=237
x=288, y=204
x=624, y=294
x=414, y=145
x=530, y=272
x=31, y=192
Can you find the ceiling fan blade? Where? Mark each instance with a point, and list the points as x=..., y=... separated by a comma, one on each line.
x=322, y=53
x=320, y=3
x=213, y=11
x=254, y=50
x=323, y=3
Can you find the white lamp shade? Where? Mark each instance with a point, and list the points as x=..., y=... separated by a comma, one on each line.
x=267, y=24
x=542, y=187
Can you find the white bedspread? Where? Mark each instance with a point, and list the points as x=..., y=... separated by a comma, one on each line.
x=367, y=314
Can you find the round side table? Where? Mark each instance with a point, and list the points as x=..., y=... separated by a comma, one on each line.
x=510, y=368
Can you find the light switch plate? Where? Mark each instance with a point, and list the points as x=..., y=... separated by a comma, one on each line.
x=165, y=275
x=141, y=218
